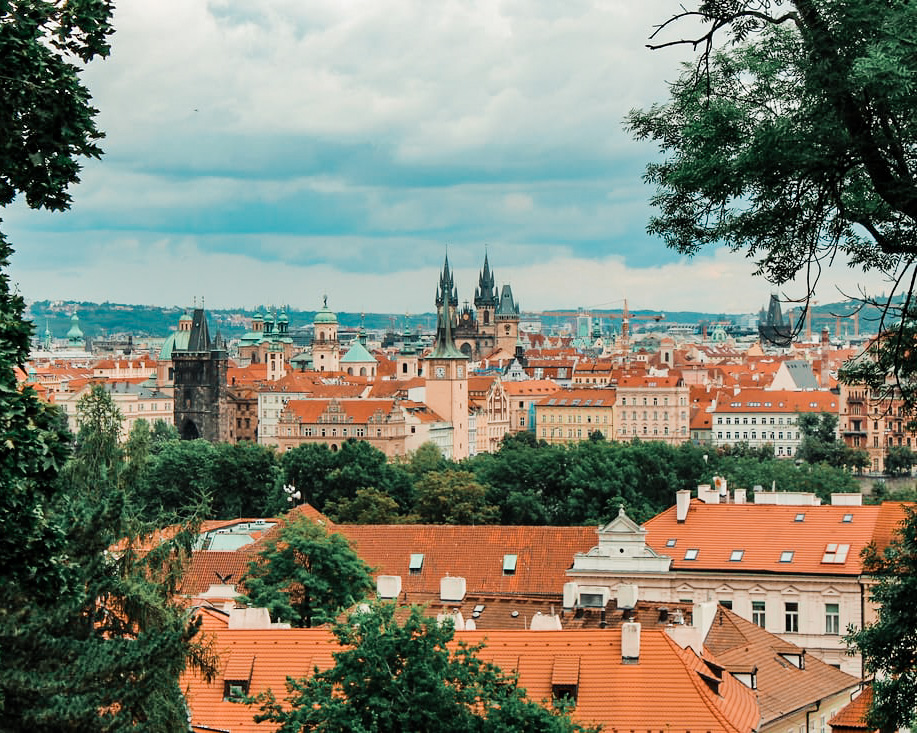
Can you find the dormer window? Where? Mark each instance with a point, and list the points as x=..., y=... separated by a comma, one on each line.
x=416, y=564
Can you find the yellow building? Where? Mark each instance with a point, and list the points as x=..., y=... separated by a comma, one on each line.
x=571, y=415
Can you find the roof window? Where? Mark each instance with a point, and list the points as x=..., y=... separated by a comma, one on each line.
x=691, y=554
x=671, y=542
x=736, y=555
x=786, y=556
x=847, y=518
x=509, y=564
x=801, y=517
x=836, y=553
x=416, y=563
x=598, y=402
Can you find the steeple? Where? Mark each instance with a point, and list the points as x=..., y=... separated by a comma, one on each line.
x=485, y=294
x=446, y=288
x=444, y=345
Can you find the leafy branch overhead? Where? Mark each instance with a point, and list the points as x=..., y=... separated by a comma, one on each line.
x=792, y=139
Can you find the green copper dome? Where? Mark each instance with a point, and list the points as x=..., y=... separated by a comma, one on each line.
x=325, y=315
x=75, y=333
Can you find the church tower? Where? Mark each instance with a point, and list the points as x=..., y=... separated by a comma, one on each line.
x=326, y=349
x=485, y=300
x=445, y=368
x=201, y=409
x=507, y=320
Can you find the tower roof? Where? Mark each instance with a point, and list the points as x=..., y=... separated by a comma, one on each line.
x=325, y=315
x=444, y=345
x=199, y=336
x=446, y=288
x=486, y=293
x=507, y=306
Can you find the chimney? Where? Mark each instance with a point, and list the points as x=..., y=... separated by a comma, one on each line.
x=570, y=593
x=545, y=622
x=740, y=496
x=627, y=596
x=630, y=642
x=682, y=502
x=388, y=586
x=452, y=588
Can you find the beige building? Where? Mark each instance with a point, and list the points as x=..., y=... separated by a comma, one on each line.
x=572, y=415
x=652, y=408
x=784, y=562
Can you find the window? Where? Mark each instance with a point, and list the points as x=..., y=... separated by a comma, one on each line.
x=736, y=555
x=757, y=613
x=836, y=553
x=416, y=563
x=509, y=564
x=671, y=542
x=726, y=603
x=832, y=618
x=786, y=556
x=691, y=554
x=791, y=624
x=848, y=518
x=801, y=517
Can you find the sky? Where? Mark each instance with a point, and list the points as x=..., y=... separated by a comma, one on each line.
x=278, y=151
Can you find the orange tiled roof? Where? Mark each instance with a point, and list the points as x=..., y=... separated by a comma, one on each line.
x=765, y=532
x=530, y=387
x=852, y=716
x=778, y=400
x=664, y=690
x=359, y=411
x=782, y=688
x=474, y=553
x=605, y=394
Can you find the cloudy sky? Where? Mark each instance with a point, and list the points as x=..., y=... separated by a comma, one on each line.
x=274, y=151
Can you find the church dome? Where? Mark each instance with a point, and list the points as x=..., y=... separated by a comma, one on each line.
x=325, y=315
x=75, y=333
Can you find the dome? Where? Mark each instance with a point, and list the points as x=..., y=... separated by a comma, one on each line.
x=177, y=340
x=325, y=315
x=283, y=317
x=75, y=333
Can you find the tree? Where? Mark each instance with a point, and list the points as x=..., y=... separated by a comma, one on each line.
x=392, y=676
x=89, y=640
x=306, y=575
x=794, y=141
x=453, y=497
x=369, y=506
x=820, y=443
x=899, y=460
x=889, y=645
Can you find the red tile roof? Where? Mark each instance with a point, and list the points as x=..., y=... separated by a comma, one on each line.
x=852, y=717
x=664, y=690
x=766, y=531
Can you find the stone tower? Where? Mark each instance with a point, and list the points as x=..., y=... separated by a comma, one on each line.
x=507, y=317
x=201, y=407
x=445, y=369
x=485, y=300
x=326, y=349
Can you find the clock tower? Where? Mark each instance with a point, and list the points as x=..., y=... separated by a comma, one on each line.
x=447, y=369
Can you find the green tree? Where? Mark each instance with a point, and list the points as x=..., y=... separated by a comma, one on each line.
x=180, y=476
x=306, y=575
x=899, y=460
x=368, y=506
x=391, y=677
x=820, y=443
x=246, y=481
x=792, y=139
x=453, y=497
x=889, y=645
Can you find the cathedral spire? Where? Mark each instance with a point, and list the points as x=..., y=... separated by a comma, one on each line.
x=446, y=301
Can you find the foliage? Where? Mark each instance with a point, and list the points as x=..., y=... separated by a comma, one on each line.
x=820, y=443
x=453, y=497
x=392, y=676
x=306, y=575
x=322, y=475
x=889, y=645
x=368, y=506
x=245, y=477
x=795, y=143
x=899, y=460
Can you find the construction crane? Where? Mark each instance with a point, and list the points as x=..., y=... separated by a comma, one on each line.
x=625, y=316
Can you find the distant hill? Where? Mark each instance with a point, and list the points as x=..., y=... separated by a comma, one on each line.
x=99, y=320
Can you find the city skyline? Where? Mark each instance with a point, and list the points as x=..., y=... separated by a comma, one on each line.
x=344, y=148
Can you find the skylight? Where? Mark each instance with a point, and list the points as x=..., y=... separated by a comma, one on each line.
x=598, y=402
x=836, y=553
x=416, y=563
x=801, y=517
x=736, y=555
x=671, y=542
x=509, y=564
x=848, y=518
x=691, y=554
x=786, y=556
